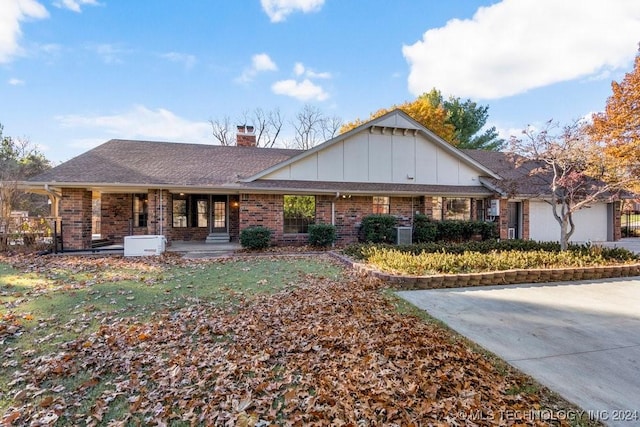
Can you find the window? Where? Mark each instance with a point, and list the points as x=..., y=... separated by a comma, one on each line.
x=380, y=205
x=480, y=210
x=191, y=210
x=179, y=211
x=436, y=208
x=299, y=212
x=458, y=209
x=140, y=210
x=203, y=212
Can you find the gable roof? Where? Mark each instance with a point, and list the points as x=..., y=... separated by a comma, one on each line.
x=396, y=119
x=163, y=163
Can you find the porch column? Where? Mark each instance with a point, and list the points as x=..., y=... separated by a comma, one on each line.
x=525, y=220
x=503, y=220
x=75, y=212
x=617, y=220
x=159, y=212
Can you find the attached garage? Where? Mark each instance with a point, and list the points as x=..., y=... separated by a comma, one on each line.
x=592, y=224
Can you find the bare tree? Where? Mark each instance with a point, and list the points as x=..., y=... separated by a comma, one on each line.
x=222, y=131
x=568, y=168
x=267, y=125
x=331, y=126
x=313, y=127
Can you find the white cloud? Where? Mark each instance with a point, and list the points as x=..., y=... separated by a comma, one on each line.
x=186, y=59
x=278, y=10
x=12, y=13
x=260, y=62
x=300, y=70
x=517, y=45
x=75, y=5
x=16, y=82
x=141, y=122
x=109, y=53
x=304, y=90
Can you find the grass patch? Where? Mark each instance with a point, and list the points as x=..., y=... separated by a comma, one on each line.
x=46, y=303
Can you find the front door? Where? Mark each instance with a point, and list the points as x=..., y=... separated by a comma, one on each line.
x=218, y=214
x=513, y=215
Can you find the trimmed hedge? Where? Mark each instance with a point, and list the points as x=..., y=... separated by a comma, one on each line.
x=358, y=251
x=322, y=235
x=378, y=228
x=257, y=237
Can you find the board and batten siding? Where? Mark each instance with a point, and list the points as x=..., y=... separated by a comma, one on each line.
x=381, y=157
x=591, y=223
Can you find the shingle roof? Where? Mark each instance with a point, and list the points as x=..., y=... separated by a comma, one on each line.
x=515, y=172
x=163, y=163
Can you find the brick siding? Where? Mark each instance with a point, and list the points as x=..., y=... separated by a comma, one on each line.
x=75, y=213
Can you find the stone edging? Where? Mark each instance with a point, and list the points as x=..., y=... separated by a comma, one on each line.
x=506, y=277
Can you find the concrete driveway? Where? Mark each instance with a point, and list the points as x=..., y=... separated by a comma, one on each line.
x=580, y=339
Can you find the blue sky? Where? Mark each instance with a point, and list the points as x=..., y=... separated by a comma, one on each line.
x=76, y=73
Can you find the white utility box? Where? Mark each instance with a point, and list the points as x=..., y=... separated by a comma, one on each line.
x=144, y=245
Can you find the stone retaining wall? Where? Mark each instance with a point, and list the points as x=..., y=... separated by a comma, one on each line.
x=507, y=277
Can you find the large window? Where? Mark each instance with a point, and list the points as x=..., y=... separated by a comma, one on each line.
x=380, y=205
x=179, y=211
x=299, y=213
x=451, y=208
x=190, y=210
x=458, y=209
x=140, y=210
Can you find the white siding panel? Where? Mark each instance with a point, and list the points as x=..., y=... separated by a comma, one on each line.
x=426, y=162
x=397, y=121
x=305, y=169
x=380, y=157
x=356, y=158
x=331, y=163
x=591, y=223
x=284, y=173
x=403, y=154
x=448, y=169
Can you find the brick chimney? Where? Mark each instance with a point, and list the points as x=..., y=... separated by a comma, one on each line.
x=246, y=136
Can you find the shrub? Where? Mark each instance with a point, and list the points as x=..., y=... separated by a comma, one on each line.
x=322, y=235
x=257, y=237
x=361, y=251
x=424, y=230
x=378, y=228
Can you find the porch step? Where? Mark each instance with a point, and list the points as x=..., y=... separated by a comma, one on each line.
x=98, y=243
x=218, y=238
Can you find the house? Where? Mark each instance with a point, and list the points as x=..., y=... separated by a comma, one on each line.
x=390, y=165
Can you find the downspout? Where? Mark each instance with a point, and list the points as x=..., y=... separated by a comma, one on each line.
x=333, y=214
x=161, y=214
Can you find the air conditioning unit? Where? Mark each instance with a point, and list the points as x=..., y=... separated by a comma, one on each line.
x=144, y=245
x=511, y=233
x=404, y=235
x=494, y=207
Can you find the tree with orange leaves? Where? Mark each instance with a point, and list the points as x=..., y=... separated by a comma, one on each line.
x=617, y=129
x=422, y=110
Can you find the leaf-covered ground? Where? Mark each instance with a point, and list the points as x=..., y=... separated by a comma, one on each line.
x=320, y=351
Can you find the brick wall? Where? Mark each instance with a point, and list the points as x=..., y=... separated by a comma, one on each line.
x=75, y=213
x=617, y=221
x=115, y=216
x=266, y=210
x=262, y=210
